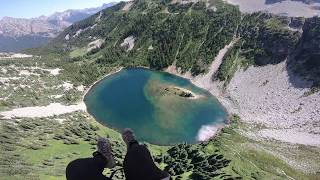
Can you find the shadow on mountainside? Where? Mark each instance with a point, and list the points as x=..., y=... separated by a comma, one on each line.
x=304, y=63
x=298, y=74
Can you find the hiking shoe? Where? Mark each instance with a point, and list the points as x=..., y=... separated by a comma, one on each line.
x=128, y=136
x=104, y=147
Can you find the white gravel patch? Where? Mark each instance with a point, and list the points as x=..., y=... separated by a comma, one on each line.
x=80, y=88
x=54, y=72
x=67, y=86
x=7, y=79
x=43, y=111
x=67, y=37
x=60, y=120
x=14, y=56
x=93, y=26
x=95, y=44
x=18, y=55
x=127, y=7
x=98, y=19
x=56, y=96
x=24, y=73
x=78, y=33
x=4, y=70
x=128, y=42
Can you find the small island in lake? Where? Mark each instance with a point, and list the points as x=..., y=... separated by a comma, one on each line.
x=171, y=90
x=158, y=89
x=179, y=92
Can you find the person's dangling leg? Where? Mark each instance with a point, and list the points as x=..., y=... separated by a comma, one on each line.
x=138, y=162
x=92, y=168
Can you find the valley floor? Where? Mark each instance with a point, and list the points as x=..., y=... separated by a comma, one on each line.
x=38, y=146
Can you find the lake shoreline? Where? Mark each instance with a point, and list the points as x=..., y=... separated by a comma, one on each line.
x=217, y=127
x=96, y=82
x=204, y=81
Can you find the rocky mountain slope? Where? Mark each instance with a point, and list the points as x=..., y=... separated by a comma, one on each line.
x=188, y=35
x=304, y=1
x=291, y=8
x=20, y=33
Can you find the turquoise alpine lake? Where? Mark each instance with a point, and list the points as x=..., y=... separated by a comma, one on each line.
x=161, y=108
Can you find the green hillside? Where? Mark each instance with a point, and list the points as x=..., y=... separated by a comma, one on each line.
x=158, y=34
x=188, y=35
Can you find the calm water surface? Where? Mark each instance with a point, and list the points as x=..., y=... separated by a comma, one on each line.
x=131, y=98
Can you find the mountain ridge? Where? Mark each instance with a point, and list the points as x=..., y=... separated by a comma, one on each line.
x=20, y=33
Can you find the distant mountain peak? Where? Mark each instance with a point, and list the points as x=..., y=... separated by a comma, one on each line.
x=42, y=27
